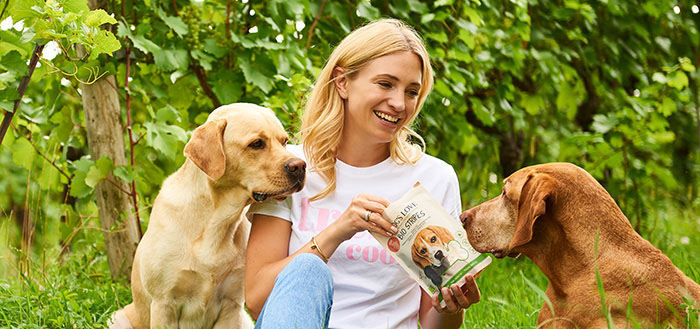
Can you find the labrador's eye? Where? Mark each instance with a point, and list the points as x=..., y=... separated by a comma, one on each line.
x=257, y=144
x=285, y=141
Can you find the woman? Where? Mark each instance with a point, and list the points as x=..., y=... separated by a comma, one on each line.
x=356, y=138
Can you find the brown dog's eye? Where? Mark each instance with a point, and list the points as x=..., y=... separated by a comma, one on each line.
x=433, y=239
x=257, y=144
x=423, y=250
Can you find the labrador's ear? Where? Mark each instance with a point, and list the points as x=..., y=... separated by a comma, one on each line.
x=532, y=205
x=206, y=148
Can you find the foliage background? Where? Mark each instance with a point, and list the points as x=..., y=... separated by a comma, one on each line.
x=609, y=85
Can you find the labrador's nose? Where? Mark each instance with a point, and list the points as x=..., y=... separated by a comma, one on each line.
x=295, y=168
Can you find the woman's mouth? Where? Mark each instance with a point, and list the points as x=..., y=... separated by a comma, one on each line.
x=386, y=117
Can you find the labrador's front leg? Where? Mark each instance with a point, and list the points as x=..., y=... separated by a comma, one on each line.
x=163, y=315
x=233, y=315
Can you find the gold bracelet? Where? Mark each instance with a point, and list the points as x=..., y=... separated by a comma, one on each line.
x=314, y=245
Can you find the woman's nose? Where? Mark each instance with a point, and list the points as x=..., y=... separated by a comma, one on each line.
x=397, y=101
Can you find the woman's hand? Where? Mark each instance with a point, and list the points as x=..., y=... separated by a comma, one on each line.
x=458, y=298
x=364, y=213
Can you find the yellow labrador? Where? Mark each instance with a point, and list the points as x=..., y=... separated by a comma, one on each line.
x=188, y=269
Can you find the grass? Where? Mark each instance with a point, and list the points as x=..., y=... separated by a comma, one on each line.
x=79, y=293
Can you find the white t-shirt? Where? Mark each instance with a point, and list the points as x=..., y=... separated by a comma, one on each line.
x=371, y=290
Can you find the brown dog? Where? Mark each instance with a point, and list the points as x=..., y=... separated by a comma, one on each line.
x=429, y=252
x=561, y=218
x=188, y=269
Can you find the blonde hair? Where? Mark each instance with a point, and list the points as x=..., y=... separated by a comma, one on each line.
x=322, y=124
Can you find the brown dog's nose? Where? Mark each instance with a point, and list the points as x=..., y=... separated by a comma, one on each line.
x=295, y=168
x=466, y=217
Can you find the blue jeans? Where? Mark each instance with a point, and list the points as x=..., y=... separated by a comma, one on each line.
x=301, y=298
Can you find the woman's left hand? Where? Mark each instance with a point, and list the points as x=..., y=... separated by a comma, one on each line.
x=458, y=298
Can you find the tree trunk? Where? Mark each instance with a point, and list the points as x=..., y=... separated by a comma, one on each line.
x=106, y=139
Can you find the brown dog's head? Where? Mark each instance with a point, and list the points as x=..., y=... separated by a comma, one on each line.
x=243, y=145
x=429, y=246
x=506, y=222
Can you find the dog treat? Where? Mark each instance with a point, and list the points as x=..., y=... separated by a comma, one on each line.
x=430, y=244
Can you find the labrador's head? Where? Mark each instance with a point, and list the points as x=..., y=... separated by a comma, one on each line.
x=243, y=145
x=502, y=224
x=429, y=246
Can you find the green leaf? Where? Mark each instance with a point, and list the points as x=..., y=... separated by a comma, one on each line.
x=164, y=138
x=228, y=86
x=603, y=123
x=566, y=98
x=212, y=47
x=104, y=42
x=686, y=64
x=14, y=64
x=678, y=80
x=78, y=187
x=481, y=112
x=365, y=10
x=418, y=6
x=25, y=10
x=77, y=6
x=175, y=23
x=23, y=153
x=341, y=16
x=532, y=103
x=167, y=113
x=98, y=17
x=48, y=177
x=667, y=107
x=659, y=77
x=126, y=173
x=171, y=59
x=99, y=171
x=257, y=74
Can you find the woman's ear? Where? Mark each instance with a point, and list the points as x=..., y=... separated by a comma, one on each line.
x=341, y=82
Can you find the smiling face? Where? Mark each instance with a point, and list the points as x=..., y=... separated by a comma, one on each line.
x=380, y=98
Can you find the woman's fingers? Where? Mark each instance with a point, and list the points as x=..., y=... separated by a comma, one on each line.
x=458, y=298
x=369, y=208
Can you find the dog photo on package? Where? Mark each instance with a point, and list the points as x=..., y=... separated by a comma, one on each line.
x=430, y=245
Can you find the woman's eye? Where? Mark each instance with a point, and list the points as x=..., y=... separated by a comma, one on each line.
x=385, y=84
x=257, y=144
x=412, y=93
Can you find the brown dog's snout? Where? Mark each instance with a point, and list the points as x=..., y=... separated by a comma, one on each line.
x=467, y=216
x=295, y=168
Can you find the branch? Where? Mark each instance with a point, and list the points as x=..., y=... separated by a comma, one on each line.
x=22, y=88
x=115, y=184
x=51, y=162
x=202, y=78
x=313, y=25
x=175, y=8
x=134, y=195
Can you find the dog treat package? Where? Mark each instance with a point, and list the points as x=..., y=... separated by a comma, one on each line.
x=430, y=245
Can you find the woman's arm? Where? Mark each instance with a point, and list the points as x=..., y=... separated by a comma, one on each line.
x=268, y=244
x=266, y=256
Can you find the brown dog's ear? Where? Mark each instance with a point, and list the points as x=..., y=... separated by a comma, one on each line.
x=532, y=204
x=443, y=233
x=206, y=148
